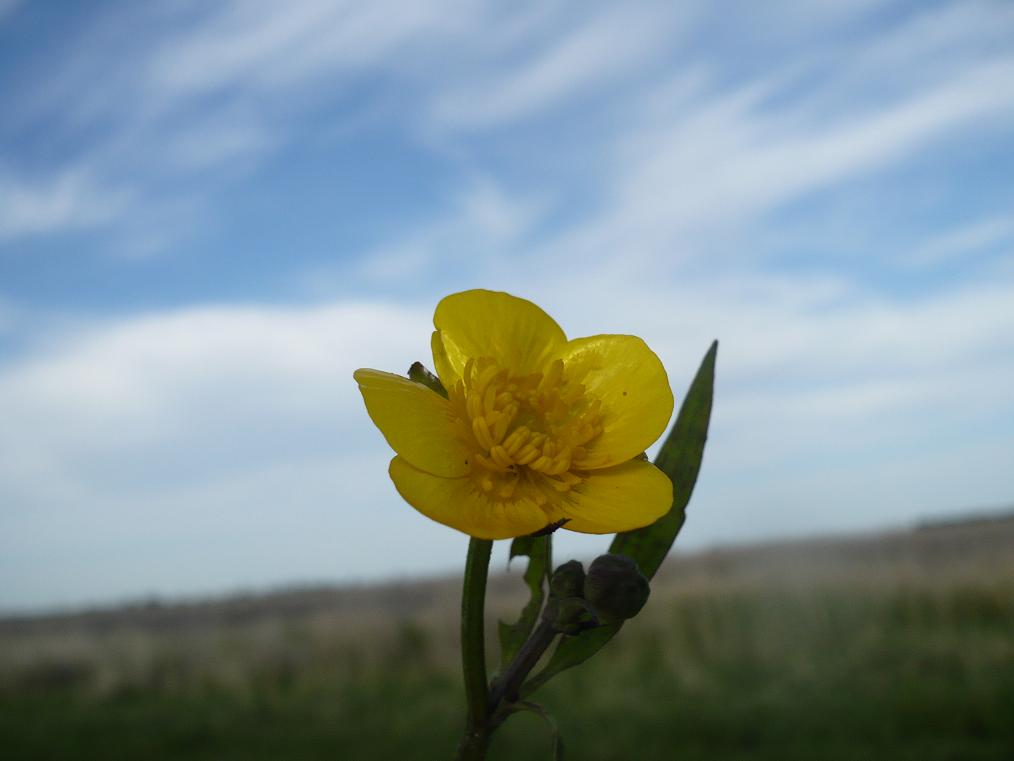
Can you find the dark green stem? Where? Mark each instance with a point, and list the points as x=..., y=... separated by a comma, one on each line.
x=473, y=651
x=506, y=687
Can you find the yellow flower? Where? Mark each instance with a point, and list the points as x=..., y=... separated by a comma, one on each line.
x=536, y=429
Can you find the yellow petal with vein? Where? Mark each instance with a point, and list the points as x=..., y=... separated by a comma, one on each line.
x=418, y=423
x=461, y=504
x=631, y=382
x=622, y=498
x=515, y=332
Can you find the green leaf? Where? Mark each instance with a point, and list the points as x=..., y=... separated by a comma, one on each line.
x=680, y=459
x=570, y=652
x=538, y=551
x=538, y=710
x=418, y=373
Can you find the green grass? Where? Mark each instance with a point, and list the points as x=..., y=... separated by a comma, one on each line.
x=860, y=669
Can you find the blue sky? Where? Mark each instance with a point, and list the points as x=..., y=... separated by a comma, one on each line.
x=211, y=214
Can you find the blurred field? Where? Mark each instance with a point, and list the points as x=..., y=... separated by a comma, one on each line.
x=898, y=646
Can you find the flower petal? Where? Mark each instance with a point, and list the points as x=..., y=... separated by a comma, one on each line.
x=447, y=372
x=622, y=498
x=418, y=423
x=461, y=504
x=515, y=332
x=631, y=382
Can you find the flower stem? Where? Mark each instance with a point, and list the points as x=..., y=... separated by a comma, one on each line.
x=505, y=689
x=473, y=651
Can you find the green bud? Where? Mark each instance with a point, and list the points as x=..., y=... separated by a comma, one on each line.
x=568, y=579
x=570, y=615
x=615, y=588
x=418, y=373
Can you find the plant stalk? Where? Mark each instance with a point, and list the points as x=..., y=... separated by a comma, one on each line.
x=506, y=688
x=473, y=651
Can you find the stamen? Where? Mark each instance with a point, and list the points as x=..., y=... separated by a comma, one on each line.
x=592, y=461
x=516, y=440
x=488, y=398
x=485, y=377
x=487, y=463
x=473, y=406
x=504, y=419
x=526, y=455
x=499, y=455
x=508, y=487
x=541, y=464
x=561, y=463
x=559, y=420
x=481, y=431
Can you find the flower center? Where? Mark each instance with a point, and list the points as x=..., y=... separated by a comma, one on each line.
x=527, y=432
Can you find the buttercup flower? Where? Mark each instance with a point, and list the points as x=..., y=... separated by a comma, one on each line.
x=536, y=429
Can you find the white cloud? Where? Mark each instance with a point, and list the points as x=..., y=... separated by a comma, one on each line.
x=969, y=240
x=934, y=41
x=236, y=42
x=501, y=217
x=235, y=437
x=222, y=141
x=265, y=47
x=232, y=437
x=119, y=389
x=216, y=87
x=147, y=432
x=207, y=88
x=253, y=71
x=72, y=200
x=484, y=223
x=599, y=52
x=730, y=159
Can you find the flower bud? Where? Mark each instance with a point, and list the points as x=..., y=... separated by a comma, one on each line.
x=615, y=588
x=568, y=579
x=418, y=373
x=570, y=615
